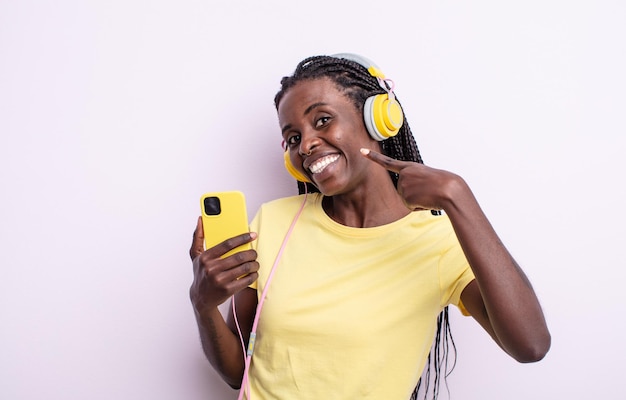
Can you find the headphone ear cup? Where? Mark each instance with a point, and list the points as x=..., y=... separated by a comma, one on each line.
x=292, y=170
x=383, y=116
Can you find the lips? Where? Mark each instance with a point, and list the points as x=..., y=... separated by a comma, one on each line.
x=319, y=165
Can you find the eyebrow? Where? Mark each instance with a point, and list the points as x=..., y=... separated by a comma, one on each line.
x=313, y=106
x=307, y=111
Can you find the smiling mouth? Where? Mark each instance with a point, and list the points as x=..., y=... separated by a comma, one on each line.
x=319, y=165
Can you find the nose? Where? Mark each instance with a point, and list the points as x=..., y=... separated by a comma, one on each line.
x=309, y=141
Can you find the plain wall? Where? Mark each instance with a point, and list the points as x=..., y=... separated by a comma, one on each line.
x=115, y=116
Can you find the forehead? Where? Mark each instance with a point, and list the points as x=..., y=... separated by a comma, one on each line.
x=305, y=93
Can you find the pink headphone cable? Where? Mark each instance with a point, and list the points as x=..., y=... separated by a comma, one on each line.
x=245, y=383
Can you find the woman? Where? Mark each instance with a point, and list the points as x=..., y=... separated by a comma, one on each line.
x=352, y=308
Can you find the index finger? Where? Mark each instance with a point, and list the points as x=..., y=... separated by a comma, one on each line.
x=227, y=246
x=391, y=164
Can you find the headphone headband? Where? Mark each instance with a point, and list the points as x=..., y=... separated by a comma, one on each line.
x=368, y=64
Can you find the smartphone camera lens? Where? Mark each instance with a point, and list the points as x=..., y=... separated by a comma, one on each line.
x=212, y=206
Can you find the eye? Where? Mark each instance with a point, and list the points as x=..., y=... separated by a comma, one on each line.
x=292, y=140
x=321, y=121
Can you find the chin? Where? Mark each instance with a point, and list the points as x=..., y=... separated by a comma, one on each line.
x=326, y=190
x=333, y=188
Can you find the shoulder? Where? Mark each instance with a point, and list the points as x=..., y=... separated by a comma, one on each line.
x=436, y=230
x=425, y=219
x=283, y=208
x=286, y=203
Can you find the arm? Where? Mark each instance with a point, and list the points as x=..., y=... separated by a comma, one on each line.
x=501, y=298
x=215, y=281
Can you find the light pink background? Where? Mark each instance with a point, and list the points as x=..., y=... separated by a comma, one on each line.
x=115, y=116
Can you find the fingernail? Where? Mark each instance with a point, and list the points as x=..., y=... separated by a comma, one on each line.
x=365, y=151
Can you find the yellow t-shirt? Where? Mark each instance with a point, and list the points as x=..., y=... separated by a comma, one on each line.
x=351, y=312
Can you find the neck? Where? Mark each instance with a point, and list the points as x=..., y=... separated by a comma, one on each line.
x=367, y=207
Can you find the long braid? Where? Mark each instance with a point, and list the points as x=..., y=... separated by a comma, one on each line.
x=358, y=84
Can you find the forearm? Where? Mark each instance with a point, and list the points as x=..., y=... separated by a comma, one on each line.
x=221, y=346
x=510, y=303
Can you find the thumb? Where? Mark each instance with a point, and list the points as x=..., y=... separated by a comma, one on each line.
x=197, y=244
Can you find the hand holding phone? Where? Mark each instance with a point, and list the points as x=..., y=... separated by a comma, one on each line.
x=224, y=216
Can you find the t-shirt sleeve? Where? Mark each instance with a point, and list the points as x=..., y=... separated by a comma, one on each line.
x=454, y=274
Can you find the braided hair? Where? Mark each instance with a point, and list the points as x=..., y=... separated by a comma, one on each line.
x=355, y=81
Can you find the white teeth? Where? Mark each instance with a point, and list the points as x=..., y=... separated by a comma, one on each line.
x=319, y=165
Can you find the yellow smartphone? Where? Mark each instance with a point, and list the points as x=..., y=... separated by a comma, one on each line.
x=224, y=215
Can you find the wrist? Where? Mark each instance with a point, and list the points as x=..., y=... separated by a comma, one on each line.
x=203, y=310
x=455, y=192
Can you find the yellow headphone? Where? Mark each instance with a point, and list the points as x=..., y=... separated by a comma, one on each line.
x=382, y=113
x=299, y=176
